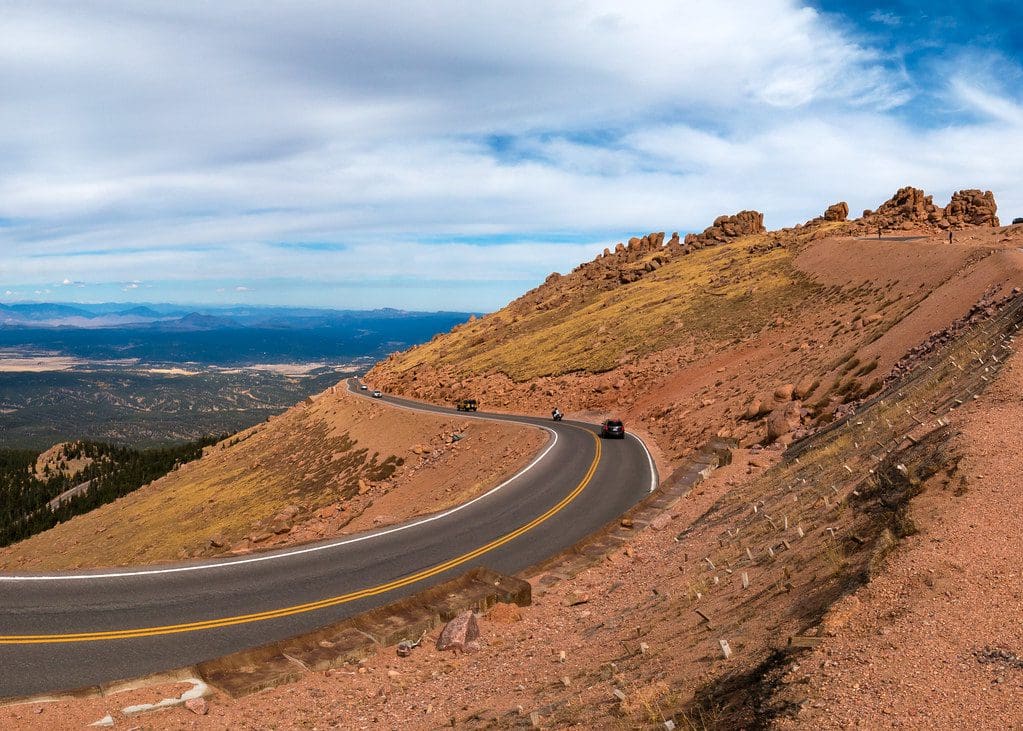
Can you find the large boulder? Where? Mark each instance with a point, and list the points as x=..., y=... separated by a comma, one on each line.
x=461, y=633
x=972, y=208
x=784, y=420
x=837, y=212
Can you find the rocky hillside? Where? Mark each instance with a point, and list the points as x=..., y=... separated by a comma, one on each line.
x=735, y=331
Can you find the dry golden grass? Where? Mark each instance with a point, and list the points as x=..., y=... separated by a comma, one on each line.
x=310, y=457
x=714, y=294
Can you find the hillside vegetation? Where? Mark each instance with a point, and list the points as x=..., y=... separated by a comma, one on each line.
x=39, y=491
x=307, y=474
x=715, y=294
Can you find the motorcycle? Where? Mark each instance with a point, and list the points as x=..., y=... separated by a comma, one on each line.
x=556, y=415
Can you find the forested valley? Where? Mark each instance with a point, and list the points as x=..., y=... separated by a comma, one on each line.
x=104, y=472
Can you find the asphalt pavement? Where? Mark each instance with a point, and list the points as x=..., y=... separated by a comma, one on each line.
x=73, y=629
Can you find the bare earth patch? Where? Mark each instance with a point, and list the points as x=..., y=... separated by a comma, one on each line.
x=931, y=641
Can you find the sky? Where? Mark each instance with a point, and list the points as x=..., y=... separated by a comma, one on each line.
x=449, y=155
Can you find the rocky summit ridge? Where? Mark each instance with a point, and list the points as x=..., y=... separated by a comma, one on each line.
x=908, y=209
x=621, y=333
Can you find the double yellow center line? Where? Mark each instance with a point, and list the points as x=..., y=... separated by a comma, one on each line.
x=312, y=606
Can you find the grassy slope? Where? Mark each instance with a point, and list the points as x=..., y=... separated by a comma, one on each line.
x=312, y=456
x=715, y=293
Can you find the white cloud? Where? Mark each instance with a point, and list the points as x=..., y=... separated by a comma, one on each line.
x=242, y=289
x=184, y=143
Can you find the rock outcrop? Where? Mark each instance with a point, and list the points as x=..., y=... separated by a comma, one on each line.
x=911, y=208
x=629, y=262
x=728, y=228
x=837, y=212
x=972, y=208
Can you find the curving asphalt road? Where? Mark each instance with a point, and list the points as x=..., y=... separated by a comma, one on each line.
x=69, y=630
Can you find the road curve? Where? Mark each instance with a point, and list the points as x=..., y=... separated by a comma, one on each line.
x=69, y=630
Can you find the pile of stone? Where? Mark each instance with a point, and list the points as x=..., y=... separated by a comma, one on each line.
x=911, y=208
x=726, y=229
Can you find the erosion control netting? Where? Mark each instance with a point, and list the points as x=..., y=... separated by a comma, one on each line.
x=817, y=525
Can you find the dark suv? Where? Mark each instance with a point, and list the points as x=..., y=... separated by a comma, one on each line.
x=612, y=429
x=467, y=404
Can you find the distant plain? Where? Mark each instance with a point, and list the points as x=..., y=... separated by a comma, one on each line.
x=163, y=374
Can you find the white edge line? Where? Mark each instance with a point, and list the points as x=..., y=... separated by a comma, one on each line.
x=324, y=546
x=650, y=460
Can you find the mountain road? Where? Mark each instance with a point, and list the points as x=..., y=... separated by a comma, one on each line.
x=69, y=630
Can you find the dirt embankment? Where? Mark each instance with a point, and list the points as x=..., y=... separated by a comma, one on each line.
x=334, y=464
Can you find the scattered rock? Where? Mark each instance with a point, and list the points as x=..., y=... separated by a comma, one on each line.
x=198, y=706
x=576, y=598
x=805, y=387
x=784, y=393
x=660, y=522
x=784, y=420
x=757, y=408
x=460, y=633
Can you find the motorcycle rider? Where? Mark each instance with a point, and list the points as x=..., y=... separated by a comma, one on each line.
x=556, y=414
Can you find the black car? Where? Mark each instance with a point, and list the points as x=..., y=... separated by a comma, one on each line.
x=612, y=429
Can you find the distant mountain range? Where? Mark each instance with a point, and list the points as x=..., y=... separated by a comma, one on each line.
x=176, y=317
x=230, y=335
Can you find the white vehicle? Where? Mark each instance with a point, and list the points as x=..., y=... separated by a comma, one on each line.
x=363, y=387
x=377, y=394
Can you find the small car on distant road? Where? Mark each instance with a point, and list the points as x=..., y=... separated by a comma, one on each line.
x=612, y=429
x=363, y=387
x=467, y=404
x=377, y=394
